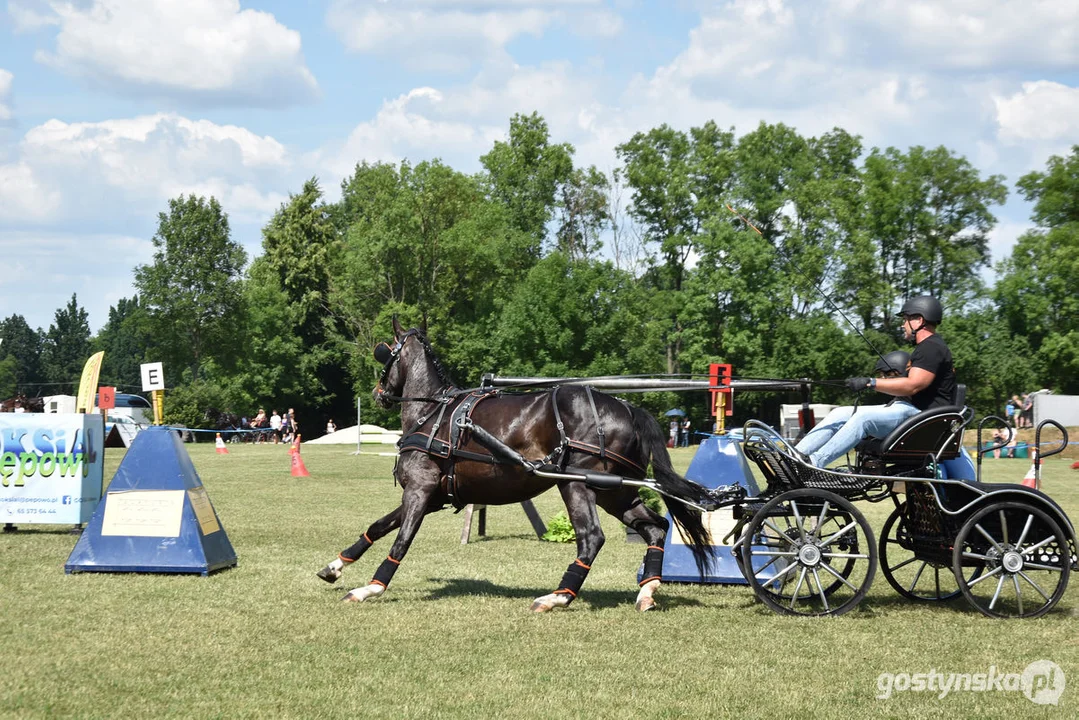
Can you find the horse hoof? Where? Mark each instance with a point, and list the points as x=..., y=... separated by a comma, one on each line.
x=329, y=574
x=367, y=592
x=646, y=604
x=550, y=602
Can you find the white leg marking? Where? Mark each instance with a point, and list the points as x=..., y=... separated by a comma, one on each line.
x=550, y=602
x=645, y=601
x=366, y=592
x=336, y=565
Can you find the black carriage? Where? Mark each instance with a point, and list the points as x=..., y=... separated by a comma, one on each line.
x=805, y=549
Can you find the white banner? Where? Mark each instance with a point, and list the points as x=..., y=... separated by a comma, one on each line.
x=50, y=467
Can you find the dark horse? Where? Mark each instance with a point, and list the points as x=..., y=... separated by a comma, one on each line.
x=226, y=422
x=21, y=403
x=460, y=447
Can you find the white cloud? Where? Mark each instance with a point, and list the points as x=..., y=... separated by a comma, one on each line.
x=205, y=51
x=26, y=17
x=23, y=196
x=5, y=90
x=47, y=267
x=972, y=34
x=412, y=126
x=114, y=170
x=451, y=36
x=1042, y=110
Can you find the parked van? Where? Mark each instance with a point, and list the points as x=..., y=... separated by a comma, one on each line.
x=135, y=407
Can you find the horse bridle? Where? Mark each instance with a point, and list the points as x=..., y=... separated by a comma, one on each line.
x=389, y=356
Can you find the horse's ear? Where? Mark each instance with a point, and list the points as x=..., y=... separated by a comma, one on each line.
x=398, y=331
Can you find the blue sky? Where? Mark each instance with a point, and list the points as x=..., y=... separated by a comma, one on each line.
x=108, y=108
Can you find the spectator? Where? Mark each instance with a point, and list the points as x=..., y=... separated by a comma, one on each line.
x=292, y=423
x=1012, y=409
x=1026, y=411
x=275, y=426
x=260, y=419
x=286, y=428
x=674, y=434
x=330, y=427
x=685, y=432
x=1000, y=437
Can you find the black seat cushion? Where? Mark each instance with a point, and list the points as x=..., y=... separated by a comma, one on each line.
x=924, y=434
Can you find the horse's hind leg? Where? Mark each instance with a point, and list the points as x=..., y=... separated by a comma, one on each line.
x=378, y=529
x=626, y=505
x=581, y=506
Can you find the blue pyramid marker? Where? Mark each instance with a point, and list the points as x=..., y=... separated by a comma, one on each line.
x=718, y=461
x=154, y=517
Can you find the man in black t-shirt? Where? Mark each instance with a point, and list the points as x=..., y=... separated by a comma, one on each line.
x=930, y=382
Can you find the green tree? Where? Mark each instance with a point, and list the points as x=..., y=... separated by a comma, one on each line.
x=677, y=183
x=67, y=345
x=192, y=289
x=128, y=342
x=525, y=172
x=9, y=370
x=292, y=358
x=929, y=210
x=434, y=250
x=1036, y=289
x=24, y=345
x=575, y=317
x=583, y=213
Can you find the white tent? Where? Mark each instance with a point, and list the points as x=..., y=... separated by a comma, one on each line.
x=359, y=433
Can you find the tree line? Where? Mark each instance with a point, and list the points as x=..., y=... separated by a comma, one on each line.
x=778, y=253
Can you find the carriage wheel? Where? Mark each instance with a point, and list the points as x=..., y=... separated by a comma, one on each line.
x=834, y=521
x=912, y=577
x=1025, y=555
x=815, y=554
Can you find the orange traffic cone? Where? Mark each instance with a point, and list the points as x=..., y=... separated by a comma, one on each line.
x=219, y=445
x=1030, y=480
x=298, y=468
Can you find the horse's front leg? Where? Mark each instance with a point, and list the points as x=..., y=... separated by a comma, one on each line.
x=626, y=505
x=420, y=478
x=581, y=506
x=378, y=530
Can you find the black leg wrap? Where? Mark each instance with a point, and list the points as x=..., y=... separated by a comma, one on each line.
x=357, y=549
x=385, y=571
x=653, y=564
x=573, y=578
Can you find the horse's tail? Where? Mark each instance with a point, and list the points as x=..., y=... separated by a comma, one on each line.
x=688, y=518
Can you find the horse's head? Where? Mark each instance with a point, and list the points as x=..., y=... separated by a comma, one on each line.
x=409, y=355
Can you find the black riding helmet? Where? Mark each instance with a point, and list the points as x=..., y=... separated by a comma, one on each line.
x=895, y=361
x=925, y=305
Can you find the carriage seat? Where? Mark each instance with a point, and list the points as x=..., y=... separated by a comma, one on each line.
x=937, y=431
x=929, y=432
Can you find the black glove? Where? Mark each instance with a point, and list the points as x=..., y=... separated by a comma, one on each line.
x=857, y=384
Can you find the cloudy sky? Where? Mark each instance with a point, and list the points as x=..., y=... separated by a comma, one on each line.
x=108, y=108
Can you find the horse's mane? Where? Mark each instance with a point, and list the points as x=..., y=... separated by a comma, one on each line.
x=440, y=369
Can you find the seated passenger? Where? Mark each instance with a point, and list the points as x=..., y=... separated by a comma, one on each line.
x=891, y=365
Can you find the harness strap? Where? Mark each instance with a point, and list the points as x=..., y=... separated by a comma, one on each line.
x=564, y=442
x=438, y=423
x=599, y=427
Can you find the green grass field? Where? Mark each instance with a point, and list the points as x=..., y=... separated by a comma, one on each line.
x=453, y=636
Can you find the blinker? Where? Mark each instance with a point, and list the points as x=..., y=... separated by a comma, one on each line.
x=383, y=353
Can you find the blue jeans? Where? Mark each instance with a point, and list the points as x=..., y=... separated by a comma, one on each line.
x=843, y=428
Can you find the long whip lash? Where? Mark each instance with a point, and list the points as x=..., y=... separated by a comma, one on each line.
x=790, y=264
